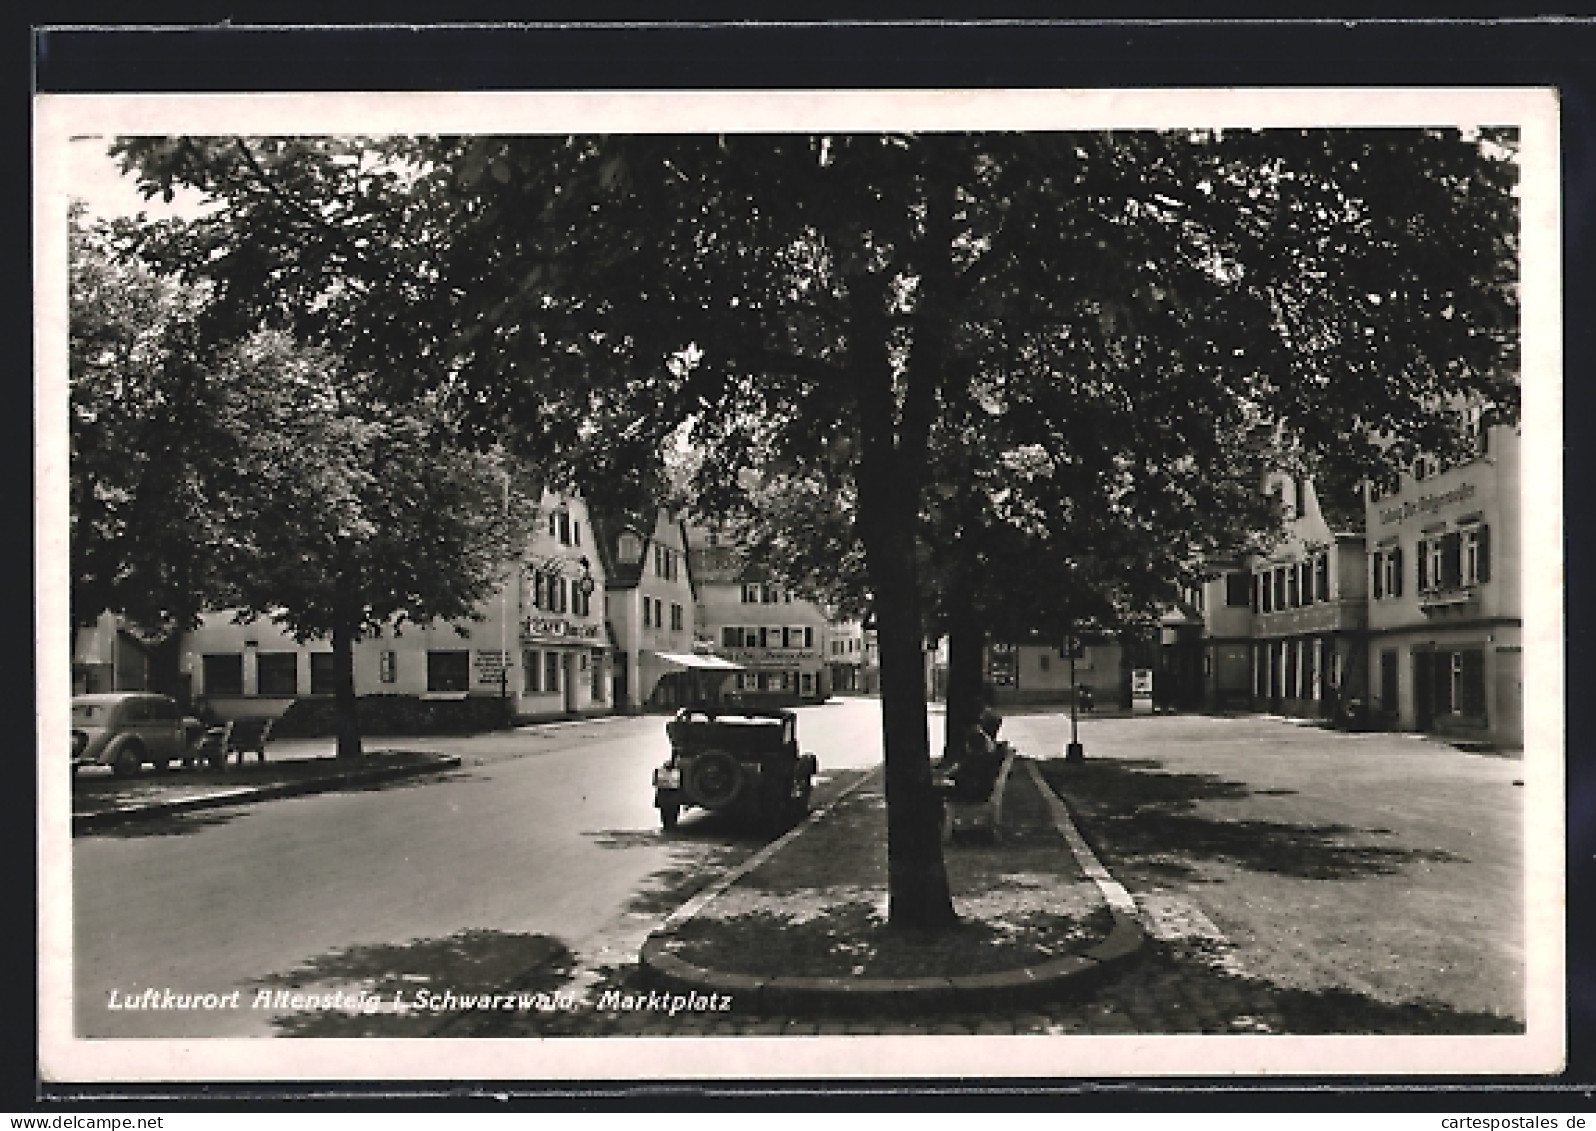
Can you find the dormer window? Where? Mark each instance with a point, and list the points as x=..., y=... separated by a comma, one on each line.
x=629, y=548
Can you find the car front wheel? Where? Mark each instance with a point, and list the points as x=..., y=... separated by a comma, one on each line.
x=129, y=760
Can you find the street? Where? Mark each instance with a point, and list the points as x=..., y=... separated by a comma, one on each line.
x=1376, y=870
x=546, y=842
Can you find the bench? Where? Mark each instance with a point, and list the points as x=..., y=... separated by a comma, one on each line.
x=961, y=816
x=241, y=737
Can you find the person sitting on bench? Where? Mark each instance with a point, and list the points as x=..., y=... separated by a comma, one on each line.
x=971, y=770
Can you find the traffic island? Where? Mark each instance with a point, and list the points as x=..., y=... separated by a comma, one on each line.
x=113, y=802
x=803, y=928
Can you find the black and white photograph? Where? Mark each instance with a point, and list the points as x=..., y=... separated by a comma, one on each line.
x=799, y=584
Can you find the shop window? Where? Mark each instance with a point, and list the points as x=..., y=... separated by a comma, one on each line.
x=532, y=664
x=1388, y=679
x=751, y=638
x=1470, y=674
x=277, y=673
x=449, y=670
x=597, y=669
x=731, y=637
x=224, y=675
x=324, y=673
x=551, y=671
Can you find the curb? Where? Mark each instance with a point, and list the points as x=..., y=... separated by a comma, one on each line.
x=663, y=968
x=244, y=794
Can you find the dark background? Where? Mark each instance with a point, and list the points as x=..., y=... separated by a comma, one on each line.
x=212, y=47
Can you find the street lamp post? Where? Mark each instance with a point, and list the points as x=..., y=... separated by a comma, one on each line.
x=1074, y=752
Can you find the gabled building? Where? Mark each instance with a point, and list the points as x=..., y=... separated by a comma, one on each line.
x=650, y=609
x=540, y=645
x=1309, y=600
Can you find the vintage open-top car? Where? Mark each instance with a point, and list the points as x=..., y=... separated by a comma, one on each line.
x=744, y=762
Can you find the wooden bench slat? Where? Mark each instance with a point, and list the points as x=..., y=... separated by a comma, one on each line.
x=988, y=814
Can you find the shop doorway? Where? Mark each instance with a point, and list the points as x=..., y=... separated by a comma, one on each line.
x=1423, y=690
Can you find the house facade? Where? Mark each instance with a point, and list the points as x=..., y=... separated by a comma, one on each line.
x=1309, y=600
x=779, y=639
x=650, y=609
x=1445, y=638
x=539, y=645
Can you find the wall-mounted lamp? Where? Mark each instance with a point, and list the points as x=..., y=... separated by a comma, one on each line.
x=585, y=582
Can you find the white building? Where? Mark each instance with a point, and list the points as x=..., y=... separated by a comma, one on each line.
x=1445, y=638
x=777, y=637
x=540, y=645
x=649, y=605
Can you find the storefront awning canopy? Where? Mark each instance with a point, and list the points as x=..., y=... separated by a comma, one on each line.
x=705, y=663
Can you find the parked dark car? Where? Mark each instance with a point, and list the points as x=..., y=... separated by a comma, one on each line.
x=742, y=762
x=126, y=729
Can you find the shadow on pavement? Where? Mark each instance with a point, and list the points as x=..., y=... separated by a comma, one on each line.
x=470, y=964
x=1184, y=988
x=1145, y=820
x=175, y=824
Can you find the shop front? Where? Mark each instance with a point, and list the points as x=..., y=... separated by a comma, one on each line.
x=563, y=671
x=777, y=677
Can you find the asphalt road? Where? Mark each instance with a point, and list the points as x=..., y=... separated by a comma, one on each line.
x=543, y=852
x=1344, y=877
x=1387, y=867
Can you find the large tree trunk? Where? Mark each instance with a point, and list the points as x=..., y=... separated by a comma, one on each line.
x=966, y=653
x=344, y=703
x=919, y=898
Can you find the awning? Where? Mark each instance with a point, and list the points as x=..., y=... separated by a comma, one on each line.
x=705, y=663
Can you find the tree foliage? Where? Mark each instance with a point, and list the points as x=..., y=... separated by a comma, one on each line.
x=1048, y=359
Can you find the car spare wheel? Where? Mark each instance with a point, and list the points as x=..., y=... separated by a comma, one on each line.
x=714, y=779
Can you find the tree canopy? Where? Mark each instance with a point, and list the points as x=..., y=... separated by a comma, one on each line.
x=1016, y=345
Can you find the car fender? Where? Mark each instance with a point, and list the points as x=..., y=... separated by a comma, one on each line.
x=110, y=750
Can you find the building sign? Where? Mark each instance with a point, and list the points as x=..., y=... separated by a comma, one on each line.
x=1003, y=666
x=770, y=657
x=489, y=667
x=539, y=628
x=1427, y=504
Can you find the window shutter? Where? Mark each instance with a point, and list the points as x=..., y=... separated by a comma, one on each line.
x=1485, y=552
x=1396, y=571
x=1451, y=560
